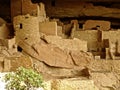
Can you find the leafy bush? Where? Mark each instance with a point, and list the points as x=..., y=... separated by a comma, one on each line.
x=23, y=79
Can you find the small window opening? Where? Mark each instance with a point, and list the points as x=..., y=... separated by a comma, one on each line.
x=80, y=25
x=26, y=38
x=21, y=26
x=19, y=49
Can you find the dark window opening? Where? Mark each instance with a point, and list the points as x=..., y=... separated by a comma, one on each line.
x=26, y=38
x=103, y=49
x=21, y=26
x=19, y=49
x=26, y=17
x=80, y=25
x=53, y=2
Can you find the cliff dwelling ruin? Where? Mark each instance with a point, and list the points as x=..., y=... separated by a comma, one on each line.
x=72, y=43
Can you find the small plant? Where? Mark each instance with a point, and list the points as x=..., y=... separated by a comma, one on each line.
x=23, y=79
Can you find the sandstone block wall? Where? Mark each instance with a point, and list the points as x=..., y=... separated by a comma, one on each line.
x=73, y=84
x=41, y=12
x=12, y=63
x=112, y=35
x=9, y=43
x=118, y=46
x=59, y=31
x=91, y=36
x=49, y=28
x=26, y=29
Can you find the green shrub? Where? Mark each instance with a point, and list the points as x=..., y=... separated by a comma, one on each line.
x=23, y=79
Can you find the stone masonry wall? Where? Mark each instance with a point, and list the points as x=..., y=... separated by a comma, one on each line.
x=26, y=29
x=91, y=36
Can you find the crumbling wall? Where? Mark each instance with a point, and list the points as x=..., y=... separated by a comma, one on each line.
x=112, y=35
x=41, y=12
x=49, y=28
x=26, y=29
x=23, y=7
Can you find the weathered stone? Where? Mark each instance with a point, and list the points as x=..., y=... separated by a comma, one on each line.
x=41, y=12
x=49, y=28
x=101, y=65
x=73, y=84
x=105, y=74
x=5, y=53
x=10, y=43
x=53, y=55
x=7, y=65
x=12, y=63
x=118, y=46
x=97, y=58
x=67, y=44
x=107, y=54
x=105, y=81
x=59, y=31
x=91, y=36
x=81, y=58
x=67, y=29
x=8, y=46
x=111, y=35
x=1, y=63
x=26, y=29
x=75, y=22
x=48, y=53
x=50, y=72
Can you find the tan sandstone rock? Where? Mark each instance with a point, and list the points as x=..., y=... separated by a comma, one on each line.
x=81, y=58
x=53, y=55
x=12, y=63
x=67, y=44
x=73, y=84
